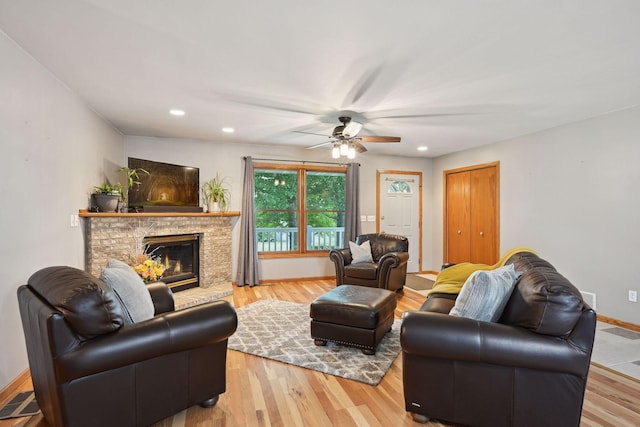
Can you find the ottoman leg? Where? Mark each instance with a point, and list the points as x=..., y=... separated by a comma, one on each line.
x=319, y=342
x=369, y=351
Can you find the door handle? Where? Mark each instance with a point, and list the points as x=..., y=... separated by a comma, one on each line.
x=482, y=233
x=459, y=231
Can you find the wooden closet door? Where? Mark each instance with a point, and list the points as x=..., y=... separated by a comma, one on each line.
x=458, y=212
x=484, y=216
x=471, y=197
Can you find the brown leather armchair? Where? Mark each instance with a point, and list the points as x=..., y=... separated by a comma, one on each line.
x=90, y=370
x=527, y=369
x=388, y=270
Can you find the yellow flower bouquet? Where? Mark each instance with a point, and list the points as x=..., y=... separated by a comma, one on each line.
x=150, y=269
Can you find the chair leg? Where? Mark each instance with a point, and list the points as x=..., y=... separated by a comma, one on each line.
x=319, y=342
x=210, y=403
x=369, y=351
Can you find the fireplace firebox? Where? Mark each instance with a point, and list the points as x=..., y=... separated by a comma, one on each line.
x=180, y=256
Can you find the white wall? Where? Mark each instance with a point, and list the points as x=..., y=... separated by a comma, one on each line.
x=227, y=159
x=54, y=150
x=572, y=194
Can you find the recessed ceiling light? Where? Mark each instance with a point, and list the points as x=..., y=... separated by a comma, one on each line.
x=422, y=148
x=228, y=130
x=176, y=112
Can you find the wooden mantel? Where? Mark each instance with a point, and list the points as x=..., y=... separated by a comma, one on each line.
x=83, y=213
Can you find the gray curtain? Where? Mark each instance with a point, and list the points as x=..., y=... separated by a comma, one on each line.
x=248, y=266
x=352, y=227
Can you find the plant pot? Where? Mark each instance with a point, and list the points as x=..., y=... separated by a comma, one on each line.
x=213, y=207
x=106, y=202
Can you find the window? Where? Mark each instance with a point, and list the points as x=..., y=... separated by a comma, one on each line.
x=299, y=208
x=400, y=187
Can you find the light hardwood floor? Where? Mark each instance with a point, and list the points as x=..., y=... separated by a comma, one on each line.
x=262, y=392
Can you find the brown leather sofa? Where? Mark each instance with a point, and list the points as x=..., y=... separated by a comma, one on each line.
x=90, y=370
x=528, y=369
x=388, y=270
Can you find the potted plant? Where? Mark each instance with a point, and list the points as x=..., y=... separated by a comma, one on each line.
x=107, y=196
x=215, y=194
x=133, y=178
x=133, y=175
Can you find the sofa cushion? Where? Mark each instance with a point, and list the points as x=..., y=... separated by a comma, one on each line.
x=543, y=301
x=131, y=291
x=116, y=263
x=360, y=253
x=89, y=306
x=485, y=293
x=362, y=270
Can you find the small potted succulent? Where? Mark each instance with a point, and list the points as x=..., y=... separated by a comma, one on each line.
x=107, y=196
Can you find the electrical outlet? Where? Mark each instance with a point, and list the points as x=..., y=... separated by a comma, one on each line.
x=74, y=220
x=633, y=296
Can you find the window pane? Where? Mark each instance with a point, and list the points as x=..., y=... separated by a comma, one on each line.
x=325, y=191
x=276, y=190
x=277, y=231
x=325, y=230
x=325, y=202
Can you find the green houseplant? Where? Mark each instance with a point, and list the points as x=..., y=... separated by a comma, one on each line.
x=215, y=194
x=107, y=196
x=133, y=175
x=133, y=179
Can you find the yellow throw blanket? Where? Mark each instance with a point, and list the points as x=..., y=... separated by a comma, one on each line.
x=450, y=280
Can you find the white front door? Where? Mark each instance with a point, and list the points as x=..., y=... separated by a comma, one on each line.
x=399, y=210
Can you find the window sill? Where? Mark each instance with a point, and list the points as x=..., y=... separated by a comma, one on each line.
x=272, y=255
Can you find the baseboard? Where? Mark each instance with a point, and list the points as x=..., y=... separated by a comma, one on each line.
x=14, y=386
x=297, y=279
x=620, y=323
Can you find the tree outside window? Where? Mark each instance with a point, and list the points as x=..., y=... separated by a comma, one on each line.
x=299, y=203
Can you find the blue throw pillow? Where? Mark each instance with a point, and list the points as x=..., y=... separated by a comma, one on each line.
x=485, y=294
x=130, y=289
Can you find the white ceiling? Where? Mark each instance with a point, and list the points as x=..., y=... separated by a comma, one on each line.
x=473, y=72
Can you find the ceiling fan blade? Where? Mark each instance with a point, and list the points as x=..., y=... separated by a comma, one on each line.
x=359, y=147
x=351, y=129
x=322, y=144
x=271, y=103
x=363, y=85
x=311, y=133
x=379, y=138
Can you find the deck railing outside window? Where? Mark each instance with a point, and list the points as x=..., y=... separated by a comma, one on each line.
x=286, y=239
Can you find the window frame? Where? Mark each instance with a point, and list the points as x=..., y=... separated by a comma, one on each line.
x=300, y=169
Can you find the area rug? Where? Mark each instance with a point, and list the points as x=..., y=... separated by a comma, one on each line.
x=418, y=283
x=22, y=405
x=280, y=330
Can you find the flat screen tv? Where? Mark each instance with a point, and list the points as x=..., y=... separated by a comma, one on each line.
x=167, y=187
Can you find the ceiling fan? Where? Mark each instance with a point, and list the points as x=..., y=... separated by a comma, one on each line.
x=346, y=141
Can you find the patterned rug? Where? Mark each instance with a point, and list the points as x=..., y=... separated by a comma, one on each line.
x=280, y=330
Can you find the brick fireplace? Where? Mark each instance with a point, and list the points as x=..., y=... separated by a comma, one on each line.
x=112, y=235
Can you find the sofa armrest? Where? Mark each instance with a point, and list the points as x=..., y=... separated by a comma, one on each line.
x=340, y=258
x=173, y=332
x=437, y=335
x=393, y=259
x=162, y=297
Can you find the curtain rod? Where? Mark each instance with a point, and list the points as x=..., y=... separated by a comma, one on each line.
x=299, y=161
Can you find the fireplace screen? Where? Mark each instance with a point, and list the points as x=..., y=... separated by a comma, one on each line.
x=180, y=256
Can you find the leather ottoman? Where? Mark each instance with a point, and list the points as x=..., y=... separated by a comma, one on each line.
x=353, y=315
